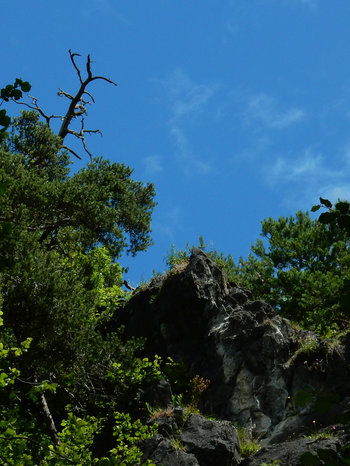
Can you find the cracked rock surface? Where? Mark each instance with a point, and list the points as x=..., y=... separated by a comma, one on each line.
x=246, y=350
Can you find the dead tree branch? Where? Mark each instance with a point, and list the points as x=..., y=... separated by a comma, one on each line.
x=77, y=106
x=34, y=106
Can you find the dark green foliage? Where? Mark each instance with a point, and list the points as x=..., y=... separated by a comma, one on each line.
x=323, y=401
x=60, y=234
x=11, y=92
x=300, y=268
x=100, y=204
x=179, y=376
x=302, y=398
x=338, y=218
x=57, y=222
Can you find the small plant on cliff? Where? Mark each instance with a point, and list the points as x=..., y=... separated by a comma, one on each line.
x=309, y=346
x=316, y=436
x=177, y=444
x=156, y=413
x=177, y=257
x=317, y=352
x=178, y=400
x=198, y=386
x=248, y=445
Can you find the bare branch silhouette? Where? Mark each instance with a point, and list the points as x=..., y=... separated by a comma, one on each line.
x=77, y=106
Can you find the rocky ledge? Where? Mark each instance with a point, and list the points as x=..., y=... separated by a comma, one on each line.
x=284, y=385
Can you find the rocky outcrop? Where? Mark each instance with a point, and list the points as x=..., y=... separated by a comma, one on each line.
x=212, y=442
x=260, y=375
x=326, y=448
x=195, y=440
x=161, y=450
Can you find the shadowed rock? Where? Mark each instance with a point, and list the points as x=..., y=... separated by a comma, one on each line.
x=246, y=350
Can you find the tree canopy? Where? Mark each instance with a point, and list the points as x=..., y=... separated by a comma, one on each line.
x=299, y=267
x=61, y=232
x=99, y=204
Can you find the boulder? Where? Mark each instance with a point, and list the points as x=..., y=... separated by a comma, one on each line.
x=161, y=451
x=212, y=442
x=327, y=446
x=195, y=441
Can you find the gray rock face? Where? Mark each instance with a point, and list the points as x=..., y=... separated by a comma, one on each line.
x=242, y=346
x=160, y=451
x=196, y=440
x=314, y=450
x=211, y=442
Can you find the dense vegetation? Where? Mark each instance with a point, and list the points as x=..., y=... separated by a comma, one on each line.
x=64, y=380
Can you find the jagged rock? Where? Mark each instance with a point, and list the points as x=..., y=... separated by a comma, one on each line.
x=208, y=442
x=160, y=451
x=168, y=423
x=290, y=451
x=212, y=442
x=158, y=394
x=194, y=315
x=240, y=345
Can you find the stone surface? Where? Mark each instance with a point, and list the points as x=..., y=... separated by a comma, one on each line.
x=195, y=441
x=244, y=348
x=290, y=451
x=212, y=442
x=160, y=451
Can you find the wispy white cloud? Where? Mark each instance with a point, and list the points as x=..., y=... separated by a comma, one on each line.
x=187, y=101
x=187, y=97
x=333, y=193
x=304, y=178
x=264, y=110
x=293, y=168
x=345, y=155
x=189, y=162
x=153, y=164
x=243, y=13
x=169, y=223
x=292, y=3
x=180, y=139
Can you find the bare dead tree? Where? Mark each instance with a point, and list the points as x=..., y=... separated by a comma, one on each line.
x=77, y=106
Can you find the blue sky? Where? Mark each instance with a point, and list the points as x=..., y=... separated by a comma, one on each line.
x=236, y=110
